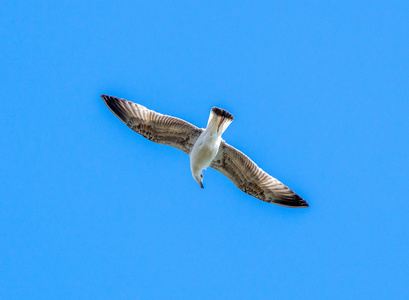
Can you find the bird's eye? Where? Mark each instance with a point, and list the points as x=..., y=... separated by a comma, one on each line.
x=201, y=176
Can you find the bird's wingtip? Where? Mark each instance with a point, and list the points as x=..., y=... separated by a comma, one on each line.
x=105, y=97
x=295, y=202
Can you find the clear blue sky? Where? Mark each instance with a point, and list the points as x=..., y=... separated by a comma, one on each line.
x=91, y=210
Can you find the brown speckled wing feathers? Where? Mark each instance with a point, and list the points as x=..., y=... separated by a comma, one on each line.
x=154, y=126
x=251, y=179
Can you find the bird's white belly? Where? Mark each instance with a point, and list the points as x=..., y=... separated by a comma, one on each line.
x=203, y=153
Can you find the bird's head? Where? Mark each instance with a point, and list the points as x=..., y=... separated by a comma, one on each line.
x=199, y=178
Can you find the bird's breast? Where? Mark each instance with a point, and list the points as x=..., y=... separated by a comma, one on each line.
x=203, y=153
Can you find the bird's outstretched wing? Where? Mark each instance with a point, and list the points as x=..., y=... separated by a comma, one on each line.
x=251, y=179
x=154, y=126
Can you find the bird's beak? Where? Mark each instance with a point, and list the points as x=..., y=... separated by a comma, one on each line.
x=201, y=185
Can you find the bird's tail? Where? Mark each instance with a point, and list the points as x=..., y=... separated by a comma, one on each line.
x=219, y=120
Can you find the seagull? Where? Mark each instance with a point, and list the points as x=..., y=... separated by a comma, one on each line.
x=206, y=148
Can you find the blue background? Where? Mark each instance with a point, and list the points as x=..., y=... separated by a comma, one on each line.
x=91, y=210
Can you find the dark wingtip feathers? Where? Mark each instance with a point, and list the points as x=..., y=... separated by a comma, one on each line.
x=106, y=98
x=114, y=104
x=293, y=202
x=223, y=113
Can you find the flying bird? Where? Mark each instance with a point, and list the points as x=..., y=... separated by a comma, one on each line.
x=206, y=148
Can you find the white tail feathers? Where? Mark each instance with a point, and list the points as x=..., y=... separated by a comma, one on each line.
x=219, y=120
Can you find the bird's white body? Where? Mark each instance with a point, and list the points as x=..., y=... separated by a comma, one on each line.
x=204, y=151
x=207, y=145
